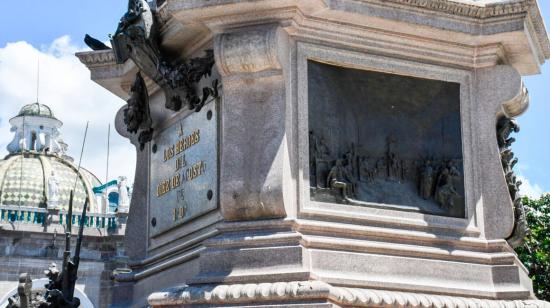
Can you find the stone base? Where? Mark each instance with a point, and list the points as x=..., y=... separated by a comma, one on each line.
x=314, y=294
x=270, y=244
x=320, y=264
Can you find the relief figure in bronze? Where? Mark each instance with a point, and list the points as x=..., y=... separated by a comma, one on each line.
x=383, y=140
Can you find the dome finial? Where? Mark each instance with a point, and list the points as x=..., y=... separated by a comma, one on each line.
x=38, y=81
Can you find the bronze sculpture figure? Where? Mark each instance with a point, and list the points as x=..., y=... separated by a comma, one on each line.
x=60, y=288
x=137, y=38
x=95, y=44
x=505, y=127
x=137, y=115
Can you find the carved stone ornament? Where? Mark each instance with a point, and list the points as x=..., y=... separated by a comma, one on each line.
x=505, y=127
x=307, y=290
x=137, y=38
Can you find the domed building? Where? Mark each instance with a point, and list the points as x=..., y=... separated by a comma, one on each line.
x=38, y=173
x=36, y=179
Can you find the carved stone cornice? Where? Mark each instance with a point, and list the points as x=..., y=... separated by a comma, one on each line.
x=479, y=19
x=481, y=11
x=97, y=58
x=471, y=48
x=316, y=290
x=465, y=8
x=488, y=9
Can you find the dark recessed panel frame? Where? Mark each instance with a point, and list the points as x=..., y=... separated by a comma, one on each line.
x=385, y=141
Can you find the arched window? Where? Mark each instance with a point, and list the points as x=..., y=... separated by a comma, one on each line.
x=33, y=141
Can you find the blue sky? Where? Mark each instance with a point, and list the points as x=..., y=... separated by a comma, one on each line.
x=52, y=31
x=41, y=22
x=533, y=141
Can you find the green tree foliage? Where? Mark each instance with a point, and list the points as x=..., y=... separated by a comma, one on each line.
x=535, y=253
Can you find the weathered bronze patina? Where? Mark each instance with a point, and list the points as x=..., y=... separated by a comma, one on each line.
x=382, y=140
x=94, y=43
x=137, y=38
x=137, y=115
x=505, y=127
x=184, y=170
x=59, y=292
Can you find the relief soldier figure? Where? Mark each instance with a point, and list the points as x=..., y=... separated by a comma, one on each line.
x=352, y=160
x=340, y=178
x=426, y=180
x=405, y=170
x=319, y=160
x=360, y=177
x=445, y=192
x=394, y=166
x=367, y=171
x=381, y=166
x=322, y=150
x=312, y=157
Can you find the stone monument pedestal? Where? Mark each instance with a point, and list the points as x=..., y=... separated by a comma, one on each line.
x=409, y=107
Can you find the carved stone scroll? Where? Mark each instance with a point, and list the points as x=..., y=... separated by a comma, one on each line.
x=255, y=161
x=249, y=51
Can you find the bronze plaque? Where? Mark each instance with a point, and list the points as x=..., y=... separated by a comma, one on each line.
x=184, y=170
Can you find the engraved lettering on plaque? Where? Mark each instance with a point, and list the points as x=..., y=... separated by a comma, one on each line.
x=184, y=170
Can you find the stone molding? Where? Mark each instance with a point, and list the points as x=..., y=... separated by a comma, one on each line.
x=384, y=242
x=179, y=254
x=128, y=275
x=496, y=9
x=300, y=20
x=315, y=290
x=97, y=58
x=469, y=17
x=468, y=8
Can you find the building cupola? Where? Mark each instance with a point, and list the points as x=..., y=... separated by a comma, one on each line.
x=36, y=130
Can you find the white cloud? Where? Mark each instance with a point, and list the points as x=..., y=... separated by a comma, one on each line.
x=533, y=191
x=65, y=86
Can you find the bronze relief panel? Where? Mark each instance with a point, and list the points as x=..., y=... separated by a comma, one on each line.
x=385, y=140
